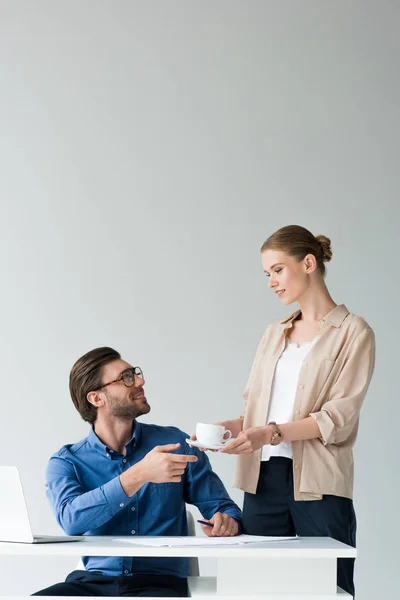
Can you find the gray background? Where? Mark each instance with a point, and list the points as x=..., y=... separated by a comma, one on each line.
x=147, y=149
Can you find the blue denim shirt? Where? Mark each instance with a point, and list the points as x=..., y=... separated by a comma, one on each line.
x=84, y=490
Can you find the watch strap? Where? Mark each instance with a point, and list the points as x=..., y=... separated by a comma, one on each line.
x=277, y=436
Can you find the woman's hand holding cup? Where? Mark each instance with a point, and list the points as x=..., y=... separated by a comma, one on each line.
x=211, y=434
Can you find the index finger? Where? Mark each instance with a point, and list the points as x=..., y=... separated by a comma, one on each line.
x=184, y=458
x=167, y=447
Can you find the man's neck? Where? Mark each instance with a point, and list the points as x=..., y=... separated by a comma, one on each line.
x=114, y=433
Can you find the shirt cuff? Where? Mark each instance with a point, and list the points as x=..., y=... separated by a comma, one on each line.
x=326, y=426
x=240, y=525
x=115, y=495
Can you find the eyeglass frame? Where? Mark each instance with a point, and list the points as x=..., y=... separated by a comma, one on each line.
x=121, y=377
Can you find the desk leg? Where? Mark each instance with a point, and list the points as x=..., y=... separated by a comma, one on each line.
x=240, y=576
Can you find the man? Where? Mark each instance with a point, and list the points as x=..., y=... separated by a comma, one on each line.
x=129, y=478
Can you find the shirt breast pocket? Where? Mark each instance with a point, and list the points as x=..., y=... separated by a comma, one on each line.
x=166, y=499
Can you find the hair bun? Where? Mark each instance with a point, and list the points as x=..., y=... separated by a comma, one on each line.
x=326, y=249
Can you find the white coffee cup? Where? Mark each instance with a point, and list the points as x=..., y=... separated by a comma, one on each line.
x=212, y=435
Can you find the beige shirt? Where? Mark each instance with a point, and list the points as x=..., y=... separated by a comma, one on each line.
x=332, y=384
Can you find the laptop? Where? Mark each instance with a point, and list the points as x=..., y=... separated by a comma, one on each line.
x=14, y=519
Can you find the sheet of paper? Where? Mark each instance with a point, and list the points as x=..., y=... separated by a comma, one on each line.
x=178, y=541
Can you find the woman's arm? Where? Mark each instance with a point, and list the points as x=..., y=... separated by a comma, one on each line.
x=305, y=429
x=254, y=438
x=338, y=417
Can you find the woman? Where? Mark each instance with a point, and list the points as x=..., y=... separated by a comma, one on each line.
x=302, y=403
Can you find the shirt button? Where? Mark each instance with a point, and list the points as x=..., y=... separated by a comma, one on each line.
x=305, y=363
x=126, y=571
x=133, y=532
x=297, y=412
x=296, y=466
x=124, y=460
x=301, y=387
x=122, y=504
x=133, y=509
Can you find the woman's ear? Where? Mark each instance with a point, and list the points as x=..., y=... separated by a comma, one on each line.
x=310, y=263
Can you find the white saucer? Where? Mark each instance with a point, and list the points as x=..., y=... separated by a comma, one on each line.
x=197, y=444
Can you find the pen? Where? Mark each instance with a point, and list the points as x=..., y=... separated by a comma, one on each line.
x=205, y=523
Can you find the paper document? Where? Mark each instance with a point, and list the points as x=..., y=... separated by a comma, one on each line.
x=178, y=541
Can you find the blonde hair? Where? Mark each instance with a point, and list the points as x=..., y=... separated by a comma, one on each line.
x=297, y=241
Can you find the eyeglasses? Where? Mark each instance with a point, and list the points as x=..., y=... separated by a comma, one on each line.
x=127, y=377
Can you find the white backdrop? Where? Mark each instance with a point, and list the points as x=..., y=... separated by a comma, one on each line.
x=147, y=149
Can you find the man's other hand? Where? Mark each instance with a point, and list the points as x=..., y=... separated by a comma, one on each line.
x=223, y=526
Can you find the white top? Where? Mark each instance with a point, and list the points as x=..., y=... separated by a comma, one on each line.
x=283, y=392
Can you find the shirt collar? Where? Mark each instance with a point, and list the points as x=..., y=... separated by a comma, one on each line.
x=98, y=445
x=334, y=317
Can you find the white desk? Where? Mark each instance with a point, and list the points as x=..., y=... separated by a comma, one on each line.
x=303, y=569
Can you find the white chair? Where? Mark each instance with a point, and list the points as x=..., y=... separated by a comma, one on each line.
x=194, y=570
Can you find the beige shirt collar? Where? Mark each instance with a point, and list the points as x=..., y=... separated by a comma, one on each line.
x=334, y=317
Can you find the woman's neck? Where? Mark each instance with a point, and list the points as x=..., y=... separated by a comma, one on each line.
x=316, y=304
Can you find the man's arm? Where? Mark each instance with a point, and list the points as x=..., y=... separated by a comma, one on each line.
x=77, y=510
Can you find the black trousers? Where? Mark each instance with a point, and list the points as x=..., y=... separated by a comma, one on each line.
x=274, y=511
x=87, y=583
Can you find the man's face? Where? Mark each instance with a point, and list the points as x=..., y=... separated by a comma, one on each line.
x=122, y=402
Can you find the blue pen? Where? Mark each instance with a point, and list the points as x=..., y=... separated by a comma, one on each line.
x=205, y=523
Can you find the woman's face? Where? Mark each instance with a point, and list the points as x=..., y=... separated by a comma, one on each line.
x=287, y=277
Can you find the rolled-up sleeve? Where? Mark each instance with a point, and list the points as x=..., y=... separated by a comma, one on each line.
x=339, y=415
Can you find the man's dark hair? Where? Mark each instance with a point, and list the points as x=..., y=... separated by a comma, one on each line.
x=85, y=377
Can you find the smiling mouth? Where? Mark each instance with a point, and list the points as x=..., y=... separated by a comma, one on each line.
x=139, y=396
x=280, y=292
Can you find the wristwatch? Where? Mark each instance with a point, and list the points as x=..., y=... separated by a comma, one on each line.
x=276, y=435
